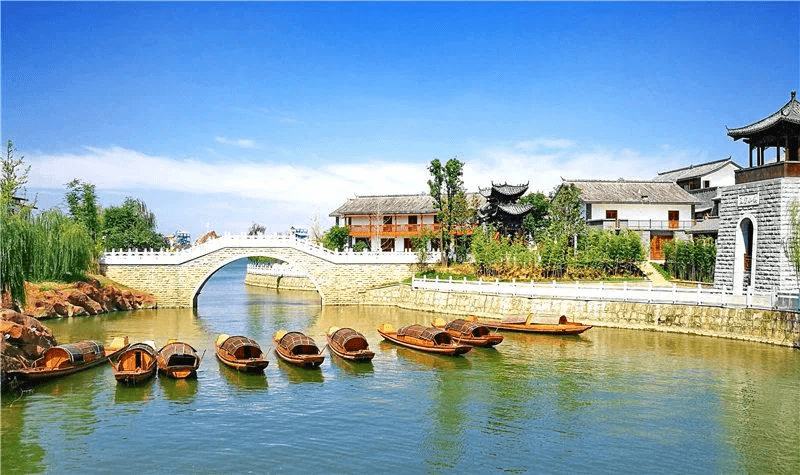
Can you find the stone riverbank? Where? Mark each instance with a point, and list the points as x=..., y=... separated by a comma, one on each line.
x=757, y=325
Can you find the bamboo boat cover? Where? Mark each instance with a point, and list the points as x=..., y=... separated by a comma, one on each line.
x=350, y=339
x=142, y=346
x=232, y=344
x=178, y=354
x=299, y=344
x=78, y=352
x=467, y=328
x=432, y=334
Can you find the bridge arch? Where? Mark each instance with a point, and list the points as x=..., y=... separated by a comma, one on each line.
x=175, y=278
x=199, y=287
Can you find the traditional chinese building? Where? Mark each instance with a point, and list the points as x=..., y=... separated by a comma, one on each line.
x=657, y=211
x=754, y=212
x=501, y=207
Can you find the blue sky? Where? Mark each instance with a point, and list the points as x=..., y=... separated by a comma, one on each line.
x=219, y=115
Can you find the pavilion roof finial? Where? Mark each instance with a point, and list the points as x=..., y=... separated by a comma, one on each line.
x=794, y=93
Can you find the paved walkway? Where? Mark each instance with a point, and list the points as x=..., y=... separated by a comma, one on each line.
x=653, y=275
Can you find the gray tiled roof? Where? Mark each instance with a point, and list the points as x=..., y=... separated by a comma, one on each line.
x=694, y=171
x=623, y=191
x=515, y=209
x=391, y=204
x=705, y=226
x=790, y=112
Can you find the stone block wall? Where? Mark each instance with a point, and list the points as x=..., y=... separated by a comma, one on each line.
x=178, y=285
x=770, y=216
x=279, y=282
x=779, y=328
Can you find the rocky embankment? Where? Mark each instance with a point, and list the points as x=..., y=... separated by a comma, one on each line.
x=24, y=338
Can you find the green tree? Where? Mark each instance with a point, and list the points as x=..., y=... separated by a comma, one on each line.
x=449, y=198
x=336, y=238
x=13, y=180
x=793, y=241
x=82, y=204
x=536, y=222
x=256, y=229
x=566, y=221
x=131, y=226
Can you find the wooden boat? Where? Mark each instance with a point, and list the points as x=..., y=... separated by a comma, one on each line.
x=469, y=332
x=349, y=344
x=418, y=337
x=136, y=363
x=240, y=353
x=298, y=349
x=540, y=324
x=178, y=360
x=67, y=359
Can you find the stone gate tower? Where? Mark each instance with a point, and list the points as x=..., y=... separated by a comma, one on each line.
x=755, y=220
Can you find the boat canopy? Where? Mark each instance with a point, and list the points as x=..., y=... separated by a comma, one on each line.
x=467, y=328
x=179, y=354
x=241, y=347
x=350, y=339
x=80, y=352
x=141, y=347
x=299, y=344
x=436, y=335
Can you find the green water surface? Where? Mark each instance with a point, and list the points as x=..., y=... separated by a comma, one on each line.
x=609, y=401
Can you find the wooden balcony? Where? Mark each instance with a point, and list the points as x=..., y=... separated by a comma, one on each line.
x=399, y=230
x=642, y=224
x=768, y=172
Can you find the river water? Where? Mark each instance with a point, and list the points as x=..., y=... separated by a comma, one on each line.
x=609, y=401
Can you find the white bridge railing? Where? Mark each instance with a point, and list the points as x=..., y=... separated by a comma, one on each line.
x=153, y=257
x=646, y=293
x=276, y=270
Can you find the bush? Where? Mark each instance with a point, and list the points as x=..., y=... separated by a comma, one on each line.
x=691, y=260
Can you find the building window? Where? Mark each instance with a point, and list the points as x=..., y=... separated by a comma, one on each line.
x=412, y=220
x=673, y=217
x=407, y=246
x=387, y=220
x=588, y=211
x=706, y=183
x=434, y=244
x=387, y=245
x=611, y=214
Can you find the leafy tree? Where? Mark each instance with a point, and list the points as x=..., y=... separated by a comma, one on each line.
x=420, y=244
x=536, y=222
x=336, y=238
x=256, y=229
x=793, y=241
x=449, y=198
x=131, y=226
x=82, y=204
x=13, y=180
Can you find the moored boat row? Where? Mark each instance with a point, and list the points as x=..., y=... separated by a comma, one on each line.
x=139, y=362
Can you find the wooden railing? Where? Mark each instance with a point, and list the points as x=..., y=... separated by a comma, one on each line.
x=642, y=224
x=400, y=230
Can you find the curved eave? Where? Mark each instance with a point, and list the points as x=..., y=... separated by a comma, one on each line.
x=789, y=113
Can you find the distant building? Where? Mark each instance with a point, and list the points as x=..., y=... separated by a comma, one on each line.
x=501, y=207
x=755, y=211
x=704, y=182
x=298, y=233
x=390, y=222
x=657, y=211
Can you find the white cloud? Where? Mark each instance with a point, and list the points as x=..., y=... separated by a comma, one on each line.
x=292, y=189
x=242, y=143
x=545, y=143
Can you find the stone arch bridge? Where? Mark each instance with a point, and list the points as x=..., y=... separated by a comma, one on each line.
x=176, y=278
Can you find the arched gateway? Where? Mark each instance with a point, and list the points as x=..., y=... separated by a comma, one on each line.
x=176, y=278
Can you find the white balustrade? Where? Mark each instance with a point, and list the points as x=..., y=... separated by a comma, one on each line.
x=609, y=292
x=134, y=257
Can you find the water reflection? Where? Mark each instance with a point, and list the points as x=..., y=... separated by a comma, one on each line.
x=356, y=368
x=428, y=360
x=141, y=392
x=17, y=441
x=296, y=374
x=240, y=380
x=179, y=390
